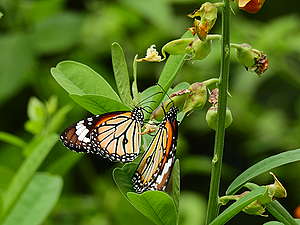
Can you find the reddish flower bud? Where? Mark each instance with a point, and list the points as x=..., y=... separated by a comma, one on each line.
x=250, y=6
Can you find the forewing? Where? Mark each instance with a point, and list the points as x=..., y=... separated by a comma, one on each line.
x=118, y=138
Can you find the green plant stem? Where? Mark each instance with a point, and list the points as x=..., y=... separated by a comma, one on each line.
x=213, y=208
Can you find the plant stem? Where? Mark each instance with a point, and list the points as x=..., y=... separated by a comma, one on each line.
x=213, y=208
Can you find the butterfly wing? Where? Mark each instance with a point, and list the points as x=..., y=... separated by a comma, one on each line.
x=114, y=135
x=155, y=168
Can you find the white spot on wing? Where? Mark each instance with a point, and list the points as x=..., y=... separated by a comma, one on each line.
x=82, y=135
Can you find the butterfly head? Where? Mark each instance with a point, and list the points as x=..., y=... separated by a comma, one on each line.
x=138, y=114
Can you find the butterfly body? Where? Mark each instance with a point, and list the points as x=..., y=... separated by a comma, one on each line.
x=114, y=135
x=156, y=165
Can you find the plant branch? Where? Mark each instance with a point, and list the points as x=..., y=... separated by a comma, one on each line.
x=213, y=208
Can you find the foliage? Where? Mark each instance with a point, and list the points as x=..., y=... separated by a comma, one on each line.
x=37, y=35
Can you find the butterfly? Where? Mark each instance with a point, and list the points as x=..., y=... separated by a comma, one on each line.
x=113, y=135
x=155, y=167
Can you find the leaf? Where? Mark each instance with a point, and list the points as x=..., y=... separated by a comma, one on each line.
x=280, y=213
x=121, y=73
x=237, y=206
x=27, y=169
x=262, y=167
x=12, y=139
x=37, y=114
x=156, y=205
x=97, y=104
x=175, y=182
x=79, y=79
x=122, y=177
x=37, y=201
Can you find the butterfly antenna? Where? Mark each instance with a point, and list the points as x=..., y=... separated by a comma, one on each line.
x=166, y=94
x=141, y=102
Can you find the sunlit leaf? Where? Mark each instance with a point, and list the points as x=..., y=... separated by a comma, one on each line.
x=79, y=79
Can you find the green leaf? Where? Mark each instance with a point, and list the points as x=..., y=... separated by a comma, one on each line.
x=122, y=177
x=175, y=182
x=121, y=73
x=280, y=213
x=158, y=206
x=12, y=139
x=26, y=171
x=237, y=206
x=37, y=201
x=79, y=79
x=262, y=167
x=98, y=104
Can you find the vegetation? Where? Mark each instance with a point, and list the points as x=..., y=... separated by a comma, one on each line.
x=42, y=182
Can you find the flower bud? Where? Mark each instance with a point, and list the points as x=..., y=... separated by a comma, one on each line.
x=176, y=47
x=250, y=6
x=253, y=59
x=196, y=48
x=196, y=98
x=208, y=13
x=212, y=117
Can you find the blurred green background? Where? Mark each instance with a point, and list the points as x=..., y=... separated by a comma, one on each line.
x=37, y=34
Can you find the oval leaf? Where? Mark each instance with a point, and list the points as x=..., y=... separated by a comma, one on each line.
x=121, y=73
x=122, y=177
x=77, y=78
x=97, y=104
x=236, y=207
x=156, y=205
x=35, y=203
x=262, y=167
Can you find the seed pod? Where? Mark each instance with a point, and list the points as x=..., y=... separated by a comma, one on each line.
x=196, y=98
x=199, y=49
x=212, y=117
x=253, y=59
